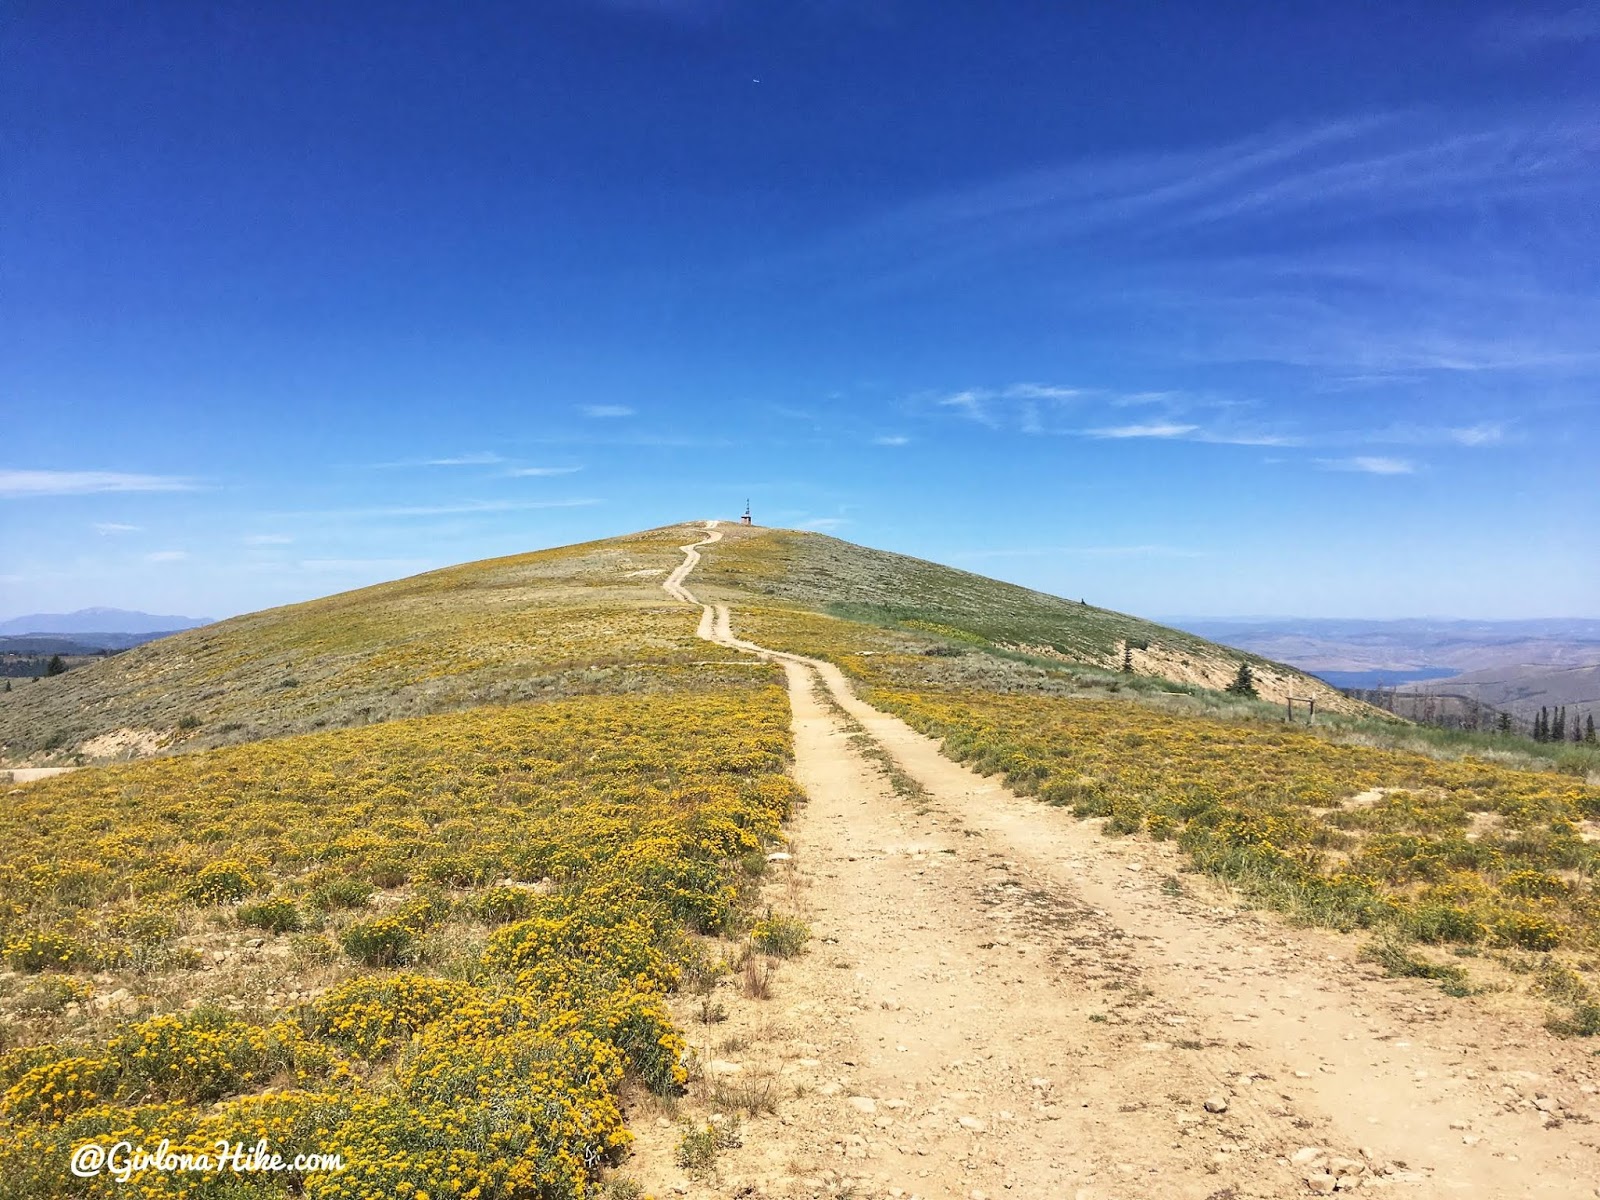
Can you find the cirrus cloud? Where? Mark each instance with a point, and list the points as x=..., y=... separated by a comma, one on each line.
x=17, y=484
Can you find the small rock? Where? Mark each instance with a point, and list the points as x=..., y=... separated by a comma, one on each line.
x=1306, y=1154
x=863, y=1104
x=972, y=1123
x=721, y=1066
x=1217, y=1104
x=1321, y=1183
x=779, y=857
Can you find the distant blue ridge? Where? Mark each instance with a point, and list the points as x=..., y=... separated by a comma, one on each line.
x=1382, y=679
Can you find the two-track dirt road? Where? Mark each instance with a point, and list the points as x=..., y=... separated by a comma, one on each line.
x=998, y=1001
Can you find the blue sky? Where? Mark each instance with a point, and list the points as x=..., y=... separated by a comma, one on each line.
x=1207, y=310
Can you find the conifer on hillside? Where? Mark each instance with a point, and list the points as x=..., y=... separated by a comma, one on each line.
x=1244, y=683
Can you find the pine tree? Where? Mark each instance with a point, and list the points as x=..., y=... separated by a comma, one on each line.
x=1505, y=722
x=1588, y=730
x=1558, y=731
x=1541, y=725
x=55, y=666
x=1127, y=658
x=1244, y=683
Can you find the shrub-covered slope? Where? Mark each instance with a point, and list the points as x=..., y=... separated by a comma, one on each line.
x=574, y=620
x=823, y=574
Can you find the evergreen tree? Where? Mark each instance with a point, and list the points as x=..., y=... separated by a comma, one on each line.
x=1505, y=722
x=1244, y=683
x=1558, y=731
x=1127, y=658
x=1588, y=730
x=55, y=666
x=1541, y=725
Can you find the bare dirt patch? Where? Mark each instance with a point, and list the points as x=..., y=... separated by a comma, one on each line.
x=125, y=743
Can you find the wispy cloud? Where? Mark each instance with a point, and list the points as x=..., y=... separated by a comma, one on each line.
x=541, y=472
x=267, y=539
x=823, y=523
x=1326, y=174
x=107, y=527
x=1369, y=464
x=1061, y=411
x=970, y=404
x=1486, y=434
x=1041, y=391
x=1158, y=429
x=484, y=458
x=1521, y=30
x=442, y=510
x=364, y=565
x=1402, y=241
x=166, y=556
x=17, y=484
x=892, y=439
x=606, y=411
x=1138, y=551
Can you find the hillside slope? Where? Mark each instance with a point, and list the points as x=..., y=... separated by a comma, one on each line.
x=566, y=621
x=817, y=573
x=574, y=620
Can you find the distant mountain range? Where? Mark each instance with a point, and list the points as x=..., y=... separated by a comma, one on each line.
x=1517, y=666
x=97, y=621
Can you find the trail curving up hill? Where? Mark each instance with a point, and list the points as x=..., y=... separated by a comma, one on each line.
x=1000, y=1002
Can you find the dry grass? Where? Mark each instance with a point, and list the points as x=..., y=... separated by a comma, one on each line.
x=577, y=620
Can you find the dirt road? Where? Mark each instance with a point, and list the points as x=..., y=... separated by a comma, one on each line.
x=999, y=1001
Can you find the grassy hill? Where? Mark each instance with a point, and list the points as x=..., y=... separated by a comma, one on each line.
x=573, y=620
x=811, y=572
x=576, y=620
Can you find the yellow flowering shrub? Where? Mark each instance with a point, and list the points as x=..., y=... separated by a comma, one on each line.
x=221, y=881
x=36, y=950
x=374, y=1014
x=1268, y=806
x=199, y=1056
x=589, y=833
x=54, y=1090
